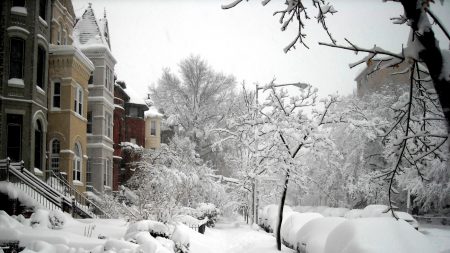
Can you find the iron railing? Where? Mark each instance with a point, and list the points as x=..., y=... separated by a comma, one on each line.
x=55, y=193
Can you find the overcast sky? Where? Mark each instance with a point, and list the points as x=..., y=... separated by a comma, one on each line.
x=246, y=41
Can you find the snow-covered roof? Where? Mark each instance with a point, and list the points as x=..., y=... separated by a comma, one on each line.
x=90, y=32
x=70, y=49
x=153, y=113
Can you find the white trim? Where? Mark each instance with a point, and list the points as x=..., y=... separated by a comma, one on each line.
x=43, y=39
x=17, y=29
x=66, y=151
x=23, y=101
x=101, y=99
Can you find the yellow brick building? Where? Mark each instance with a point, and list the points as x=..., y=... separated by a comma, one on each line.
x=69, y=73
x=152, y=129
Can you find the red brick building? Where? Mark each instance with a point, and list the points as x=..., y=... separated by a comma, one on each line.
x=129, y=127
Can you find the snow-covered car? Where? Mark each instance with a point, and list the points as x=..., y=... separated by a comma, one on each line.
x=377, y=235
x=380, y=211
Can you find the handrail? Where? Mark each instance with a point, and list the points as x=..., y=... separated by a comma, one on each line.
x=79, y=197
x=30, y=183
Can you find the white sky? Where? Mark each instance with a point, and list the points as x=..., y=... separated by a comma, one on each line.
x=246, y=41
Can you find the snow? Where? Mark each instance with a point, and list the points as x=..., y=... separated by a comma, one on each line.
x=13, y=192
x=376, y=235
x=152, y=112
x=153, y=227
x=312, y=236
x=353, y=214
x=438, y=235
x=19, y=10
x=293, y=223
x=269, y=216
x=16, y=82
x=38, y=172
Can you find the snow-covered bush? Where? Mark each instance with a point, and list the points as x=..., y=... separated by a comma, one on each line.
x=269, y=220
x=292, y=224
x=57, y=219
x=154, y=228
x=209, y=211
x=353, y=214
x=40, y=218
x=311, y=238
x=181, y=238
x=376, y=235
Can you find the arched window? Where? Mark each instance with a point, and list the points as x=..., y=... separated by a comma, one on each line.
x=55, y=147
x=38, y=138
x=77, y=162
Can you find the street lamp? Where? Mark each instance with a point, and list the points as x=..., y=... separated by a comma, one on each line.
x=255, y=199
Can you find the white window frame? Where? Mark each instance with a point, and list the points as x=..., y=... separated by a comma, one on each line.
x=77, y=163
x=152, y=123
x=108, y=125
x=54, y=156
x=56, y=95
x=78, y=100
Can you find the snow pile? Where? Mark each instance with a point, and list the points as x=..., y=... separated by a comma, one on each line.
x=292, y=224
x=313, y=235
x=129, y=145
x=334, y=212
x=57, y=219
x=209, y=212
x=13, y=192
x=189, y=220
x=269, y=216
x=181, y=238
x=373, y=211
x=376, y=235
x=353, y=214
x=154, y=228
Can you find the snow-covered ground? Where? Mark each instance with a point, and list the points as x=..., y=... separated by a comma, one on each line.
x=234, y=236
x=438, y=235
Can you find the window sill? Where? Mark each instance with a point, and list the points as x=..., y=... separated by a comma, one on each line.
x=43, y=22
x=16, y=82
x=40, y=90
x=18, y=10
x=77, y=183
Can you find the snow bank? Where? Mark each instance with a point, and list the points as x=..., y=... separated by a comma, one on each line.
x=373, y=211
x=353, y=214
x=181, y=238
x=154, y=228
x=334, y=212
x=189, y=220
x=376, y=235
x=292, y=224
x=312, y=236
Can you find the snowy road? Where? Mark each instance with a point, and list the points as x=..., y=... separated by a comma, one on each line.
x=234, y=237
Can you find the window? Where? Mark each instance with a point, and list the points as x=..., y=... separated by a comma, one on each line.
x=43, y=9
x=108, y=125
x=133, y=112
x=16, y=58
x=41, y=67
x=89, y=122
x=89, y=173
x=55, y=146
x=78, y=101
x=14, y=137
x=107, y=175
x=107, y=77
x=77, y=163
x=56, y=95
x=91, y=79
x=38, y=139
x=60, y=34
x=153, y=127
x=18, y=3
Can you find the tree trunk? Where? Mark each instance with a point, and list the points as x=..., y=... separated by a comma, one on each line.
x=280, y=212
x=431, y=55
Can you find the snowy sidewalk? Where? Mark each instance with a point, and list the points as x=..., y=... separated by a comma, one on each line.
x=234, y=237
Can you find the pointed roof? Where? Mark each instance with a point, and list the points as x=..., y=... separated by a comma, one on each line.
x=89, y=31
x=104, y=29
